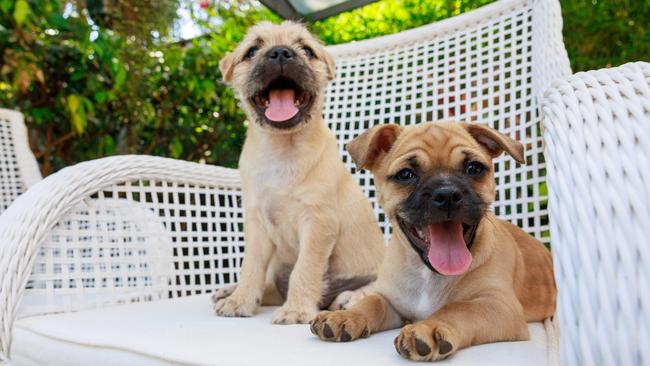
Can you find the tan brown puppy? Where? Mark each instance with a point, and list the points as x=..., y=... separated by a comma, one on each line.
x=310, y=232
x=455, y=272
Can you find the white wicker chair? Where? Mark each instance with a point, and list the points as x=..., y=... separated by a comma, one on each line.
x=18, y=167
x=597, y=137
x=135, y=228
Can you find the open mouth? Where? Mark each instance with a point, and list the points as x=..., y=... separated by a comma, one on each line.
x=282, y=100
x=443, y=247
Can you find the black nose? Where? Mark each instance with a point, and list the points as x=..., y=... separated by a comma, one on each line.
x=447, y=198
x=280, y=54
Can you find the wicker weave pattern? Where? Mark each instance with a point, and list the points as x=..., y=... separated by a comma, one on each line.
x=18, y=169
x=104, y=252
x=197, y=204
x=481, y=72
x=481, y=66
x=199, y=234
x=597, y=135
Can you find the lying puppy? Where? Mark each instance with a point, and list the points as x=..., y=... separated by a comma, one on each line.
x=459, y=274
x=310, y=232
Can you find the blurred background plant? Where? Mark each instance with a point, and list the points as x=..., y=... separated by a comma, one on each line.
x=103, y=77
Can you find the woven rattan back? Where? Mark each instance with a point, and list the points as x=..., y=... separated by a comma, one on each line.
x=470, y=68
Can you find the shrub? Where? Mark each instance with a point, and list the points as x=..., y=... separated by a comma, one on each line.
x=89, y=91
x=94, y=82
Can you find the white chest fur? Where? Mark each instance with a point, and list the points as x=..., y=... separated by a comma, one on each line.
x=276, y=174
x=272, y=191
x=417, y=292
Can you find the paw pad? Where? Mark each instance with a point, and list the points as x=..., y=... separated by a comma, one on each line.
x=421, y=347
x=327, y=331
x=345, y=336
x=444, y=347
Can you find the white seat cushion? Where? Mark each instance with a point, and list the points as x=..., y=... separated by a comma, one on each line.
x=185, y=331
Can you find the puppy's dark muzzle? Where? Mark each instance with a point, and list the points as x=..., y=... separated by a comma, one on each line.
x=438, y=199
x=446, y=198
x=281, y=69
x=443, y=199
x=282, y=63
x=280, y=56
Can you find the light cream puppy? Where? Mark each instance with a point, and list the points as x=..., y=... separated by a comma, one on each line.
x=453, y=273
x=310, y=232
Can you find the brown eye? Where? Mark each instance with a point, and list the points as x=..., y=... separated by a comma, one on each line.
x=251, y=52
x=405, y=175
x=308, y=51
x=474, y=169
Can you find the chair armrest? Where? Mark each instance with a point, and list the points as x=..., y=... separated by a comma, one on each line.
x=91, y=205
x=597, y=137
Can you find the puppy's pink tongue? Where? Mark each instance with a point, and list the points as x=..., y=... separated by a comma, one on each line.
x=448, y=253
x=281, y=106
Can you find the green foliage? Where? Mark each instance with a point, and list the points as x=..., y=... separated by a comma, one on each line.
x=96, y=80
x=89, y=91
x=602, y=33
x=134, y=18
x=389, y=16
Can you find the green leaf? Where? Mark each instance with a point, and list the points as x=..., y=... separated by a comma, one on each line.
x=79, y=122
x=120, y=78
x=77, y=113
x=78, y=75
x=37, y=114
x=149, y=111
x=176, y=147
x=73, y=103
x=100, y=96
x=42, y=115
x=58, y=21
x=543, y=189
x=5, y=5
x=20, y=11
x=87, y=106
x=108, y=145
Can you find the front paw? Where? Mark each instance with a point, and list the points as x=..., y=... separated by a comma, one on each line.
x=340, y=326
x=223, y=292
x=288, y=315
x=233, y=306
x=424, y=342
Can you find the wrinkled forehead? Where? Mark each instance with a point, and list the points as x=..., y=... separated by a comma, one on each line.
x=435, y=145
x=277, y=34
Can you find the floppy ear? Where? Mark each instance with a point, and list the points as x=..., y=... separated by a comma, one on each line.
x=368, y=147
x=331, y=65
x=226, y=66
x=496, y=143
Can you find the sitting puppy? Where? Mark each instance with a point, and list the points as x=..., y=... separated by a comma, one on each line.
x=310, y=232
x=453, y=272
